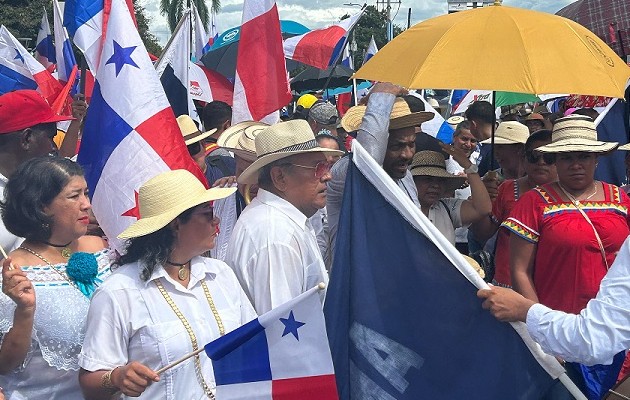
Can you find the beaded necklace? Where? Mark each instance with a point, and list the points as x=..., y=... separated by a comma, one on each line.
x=191, y=334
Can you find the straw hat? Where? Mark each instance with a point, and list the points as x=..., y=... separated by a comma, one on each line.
x=239, y=139
x=431, y=163
x=282, y=140
x=190, y=131
x=455, y=120
x=510, y=132
x=624, y=147
x=576, y=133
x=473, y=263
x=401, y=116
x=162, y=198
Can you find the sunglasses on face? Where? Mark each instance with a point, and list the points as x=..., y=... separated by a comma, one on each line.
x=321, y=169
x=194, y=148
x=533, y=157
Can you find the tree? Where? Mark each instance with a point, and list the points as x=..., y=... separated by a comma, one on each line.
x=173, y=10
x=22, y=17
x=371, y=23
x=149, y=39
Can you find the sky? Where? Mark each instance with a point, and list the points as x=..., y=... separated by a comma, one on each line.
x=321, y=13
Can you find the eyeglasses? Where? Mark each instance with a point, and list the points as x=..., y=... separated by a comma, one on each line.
x=534, y=156
x=194, y=148
x=321, y=169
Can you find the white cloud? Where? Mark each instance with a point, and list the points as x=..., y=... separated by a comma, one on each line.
x=319, y=13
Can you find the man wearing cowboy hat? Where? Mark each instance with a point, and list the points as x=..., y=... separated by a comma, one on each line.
x=27, y=128
x=387, y=130
x=273, y=249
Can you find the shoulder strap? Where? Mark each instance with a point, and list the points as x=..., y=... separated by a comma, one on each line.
x=579, y=208
x=447, y=210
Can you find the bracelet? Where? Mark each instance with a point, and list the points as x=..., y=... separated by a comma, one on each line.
x=106, y=380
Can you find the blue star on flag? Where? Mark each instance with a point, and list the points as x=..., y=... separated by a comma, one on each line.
x=18, y=56
x=121, y=56
x=291, y=325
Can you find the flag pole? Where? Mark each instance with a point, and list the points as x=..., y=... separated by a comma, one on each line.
x=181, y=360
x=571, y=387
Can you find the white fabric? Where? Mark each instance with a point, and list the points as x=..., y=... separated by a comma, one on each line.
x=225, y=209
x=129, y=320
x=274, y=252
x=8, y=241
x=445, y=215
x=50, y=369
x=600, y=331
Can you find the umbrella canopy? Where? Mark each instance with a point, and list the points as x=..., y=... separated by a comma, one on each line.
x=598, y=15
x=500, y=48
x=315, y=79
x=222, y=55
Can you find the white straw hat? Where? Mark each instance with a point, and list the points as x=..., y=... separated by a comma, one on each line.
x=510, y=132
x=162, y=198
x=282, y=140
x=239, y=139
x=431, y=163
x=576, y=133
x=400, y=117
x=189, y=130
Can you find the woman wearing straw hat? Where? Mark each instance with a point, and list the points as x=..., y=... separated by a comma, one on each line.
x=47, y=282
x=565, y=235
x=428, y=169
x=164, y=301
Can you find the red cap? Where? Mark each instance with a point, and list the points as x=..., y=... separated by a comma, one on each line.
x=25, y=108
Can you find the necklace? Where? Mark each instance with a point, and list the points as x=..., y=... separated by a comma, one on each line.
x=64, y=276
x=572, y=197
x=65, y=251
x=183, y=273
x=191, y=334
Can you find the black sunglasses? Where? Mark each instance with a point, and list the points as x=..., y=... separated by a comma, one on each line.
x=534, y=156
x=194, y=148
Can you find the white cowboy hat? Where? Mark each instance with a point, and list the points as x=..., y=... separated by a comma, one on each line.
x=400, y=117
x=282, y=140
x=189, y=130
x=510, y=132
x=239, y=139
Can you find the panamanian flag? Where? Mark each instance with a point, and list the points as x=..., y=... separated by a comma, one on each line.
x=44, y=48
x=131, y=133
x=281, y=355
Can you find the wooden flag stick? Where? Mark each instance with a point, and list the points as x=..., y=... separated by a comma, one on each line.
x=181, y=360
x=4, y=253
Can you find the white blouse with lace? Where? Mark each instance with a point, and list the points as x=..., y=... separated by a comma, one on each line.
x=50, y=369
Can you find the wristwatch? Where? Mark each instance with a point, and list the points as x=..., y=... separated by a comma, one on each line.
x=473, y=169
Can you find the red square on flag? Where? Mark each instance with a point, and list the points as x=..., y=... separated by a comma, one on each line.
x=323, y=387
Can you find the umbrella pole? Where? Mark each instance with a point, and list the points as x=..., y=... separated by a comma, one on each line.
x=494, y=123
x=354, y=89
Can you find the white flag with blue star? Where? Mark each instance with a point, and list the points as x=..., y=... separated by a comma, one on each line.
x=283, y=354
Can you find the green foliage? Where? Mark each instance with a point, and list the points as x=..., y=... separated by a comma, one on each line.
x=22, y=17
x=371, y=23
x=173, y=10
x=150, y=41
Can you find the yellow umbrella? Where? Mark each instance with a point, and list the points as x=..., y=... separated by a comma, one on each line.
x=500, y=48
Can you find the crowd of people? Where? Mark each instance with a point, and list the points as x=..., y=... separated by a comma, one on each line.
x=80, y=320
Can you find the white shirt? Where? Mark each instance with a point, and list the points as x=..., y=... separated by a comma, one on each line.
x=600, y=331
x=452, y=167
x=445, y=215
x=130, y=320
x=274, y=252
x=8, y=241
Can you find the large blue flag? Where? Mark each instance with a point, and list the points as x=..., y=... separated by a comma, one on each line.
x=402, y=314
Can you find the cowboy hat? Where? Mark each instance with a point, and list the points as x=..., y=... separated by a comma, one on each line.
x=431, y=163
x=510, y=132
x=190, y=131
x=576, y=133
x=239, y=139
x=282, y=140
x=400, y=117
x=162, y=198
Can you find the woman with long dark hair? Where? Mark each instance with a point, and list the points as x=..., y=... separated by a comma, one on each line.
x=164, y=300
x=48, y=280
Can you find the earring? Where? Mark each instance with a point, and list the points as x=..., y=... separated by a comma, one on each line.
x=45, y=226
